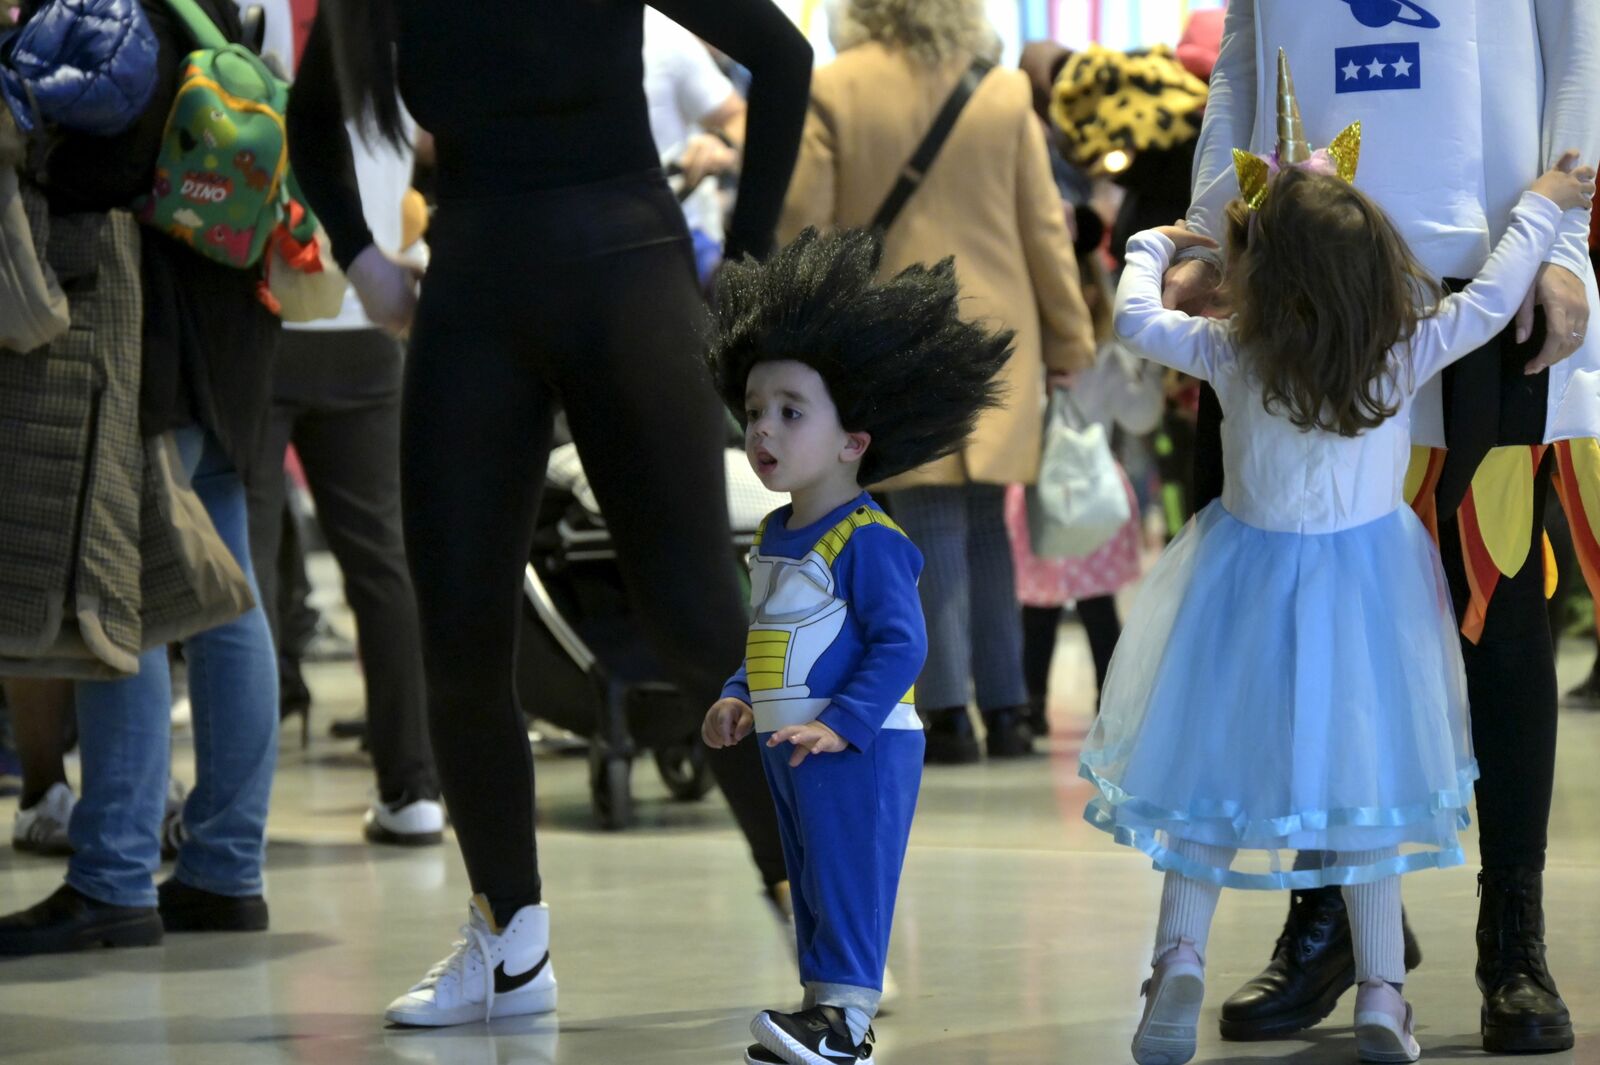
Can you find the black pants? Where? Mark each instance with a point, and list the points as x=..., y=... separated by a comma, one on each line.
x=336, y=397
x=1511, y=673
x=1039, y=630
x=584, y=296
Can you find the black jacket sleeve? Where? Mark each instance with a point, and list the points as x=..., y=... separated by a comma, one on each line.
x=758, y=35
x=319, y=149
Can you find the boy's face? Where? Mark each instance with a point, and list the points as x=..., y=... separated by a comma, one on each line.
x=792, y=433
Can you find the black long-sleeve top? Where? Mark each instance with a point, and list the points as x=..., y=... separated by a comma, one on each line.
x=522, y=95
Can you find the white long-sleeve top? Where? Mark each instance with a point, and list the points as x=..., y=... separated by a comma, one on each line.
x=1287, y=479
x=1462, y=104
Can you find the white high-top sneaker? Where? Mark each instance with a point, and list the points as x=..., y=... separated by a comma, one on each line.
x=490, y=973
x=42, y=827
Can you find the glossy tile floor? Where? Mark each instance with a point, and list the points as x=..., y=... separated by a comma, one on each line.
x=1022, y=935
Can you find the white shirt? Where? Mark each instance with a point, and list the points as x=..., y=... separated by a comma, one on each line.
x=1462, y=104
x=383, y=174
x=1286, y=479
x=682, y=85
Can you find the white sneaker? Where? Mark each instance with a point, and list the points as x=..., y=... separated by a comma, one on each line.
x=490, y=973
x=1384, y=1024
x=1167, y=1032
x=407, y=822
x=42, y=828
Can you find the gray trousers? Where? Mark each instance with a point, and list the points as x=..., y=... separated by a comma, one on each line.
x=969, y=596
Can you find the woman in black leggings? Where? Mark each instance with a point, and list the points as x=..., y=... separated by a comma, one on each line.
x=561, y=274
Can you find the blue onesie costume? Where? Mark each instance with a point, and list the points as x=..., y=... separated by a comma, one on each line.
x=838, y=637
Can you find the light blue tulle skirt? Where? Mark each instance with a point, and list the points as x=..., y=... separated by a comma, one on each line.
x=1276, y=693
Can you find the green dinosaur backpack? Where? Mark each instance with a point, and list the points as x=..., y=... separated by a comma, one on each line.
x=221, y=180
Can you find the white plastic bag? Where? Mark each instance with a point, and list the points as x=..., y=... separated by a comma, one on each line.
x=1079, y=502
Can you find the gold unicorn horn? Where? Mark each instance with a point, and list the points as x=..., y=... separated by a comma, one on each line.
x=1292, y=144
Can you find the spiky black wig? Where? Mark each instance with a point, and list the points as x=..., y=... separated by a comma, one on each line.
x=899, y=361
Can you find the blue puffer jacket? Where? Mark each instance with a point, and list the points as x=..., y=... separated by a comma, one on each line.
x=86, y=65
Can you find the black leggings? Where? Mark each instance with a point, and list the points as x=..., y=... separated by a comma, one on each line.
x=584, y=296
x=1511, y=690
x=1039, y=625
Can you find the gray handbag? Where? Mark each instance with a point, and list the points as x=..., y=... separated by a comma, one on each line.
x=1079, y=501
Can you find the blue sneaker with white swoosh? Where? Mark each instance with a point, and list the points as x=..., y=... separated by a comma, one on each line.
x=817, y=1036
x=491, y=972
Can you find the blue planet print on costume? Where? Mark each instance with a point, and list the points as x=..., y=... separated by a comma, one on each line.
x=1380, y=13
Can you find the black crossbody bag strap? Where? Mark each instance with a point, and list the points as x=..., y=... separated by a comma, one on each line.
x=914, y=171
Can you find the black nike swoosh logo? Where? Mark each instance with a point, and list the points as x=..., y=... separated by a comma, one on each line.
x=505, y=983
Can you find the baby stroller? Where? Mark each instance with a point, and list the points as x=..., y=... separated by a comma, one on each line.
x=582, y=661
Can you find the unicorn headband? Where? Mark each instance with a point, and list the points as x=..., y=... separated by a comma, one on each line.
x=1339, y=158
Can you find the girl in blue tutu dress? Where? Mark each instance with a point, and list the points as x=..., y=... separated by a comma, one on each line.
x=1290, y=676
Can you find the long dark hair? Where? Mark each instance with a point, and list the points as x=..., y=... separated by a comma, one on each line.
x=363, y=35
x=1323, y=286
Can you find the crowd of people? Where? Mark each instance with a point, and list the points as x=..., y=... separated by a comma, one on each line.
x=938, y=296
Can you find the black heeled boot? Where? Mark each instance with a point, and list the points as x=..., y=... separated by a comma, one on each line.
x=1312, y=966
x=1522, y=1010
x=950, y=738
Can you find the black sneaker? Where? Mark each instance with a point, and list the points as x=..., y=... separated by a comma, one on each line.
x=756, y=1054
x=817, y=1036
x=189, y=909
x=1007, y=733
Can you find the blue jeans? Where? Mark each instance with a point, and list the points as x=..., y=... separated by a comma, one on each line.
x=124, y=729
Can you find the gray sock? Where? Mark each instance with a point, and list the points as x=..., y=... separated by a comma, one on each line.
x=859, y=1021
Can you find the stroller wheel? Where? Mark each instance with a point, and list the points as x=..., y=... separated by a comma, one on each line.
x=685, y=770
x=610, y=790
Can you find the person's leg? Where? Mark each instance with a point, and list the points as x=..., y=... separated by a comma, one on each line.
x=651, y=434
x=1383, y=1021
x=1041, y=627
x=935, y=518
x=1511, y=685
x=475, y=434
x=350, y=450
x=852, y=812
x=1168, y=1028
x=996, y=662
x=233, y=684
x=41, y=713
x=1103, y=628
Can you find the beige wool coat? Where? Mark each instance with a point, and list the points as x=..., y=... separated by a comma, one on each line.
x=989, y=199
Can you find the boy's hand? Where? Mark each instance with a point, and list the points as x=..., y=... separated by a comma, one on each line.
x=727, y=722
x=1183, y=237
x=811, y=738
x=1569, y=185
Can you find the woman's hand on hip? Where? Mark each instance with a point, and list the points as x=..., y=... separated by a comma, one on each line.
x=386, y=287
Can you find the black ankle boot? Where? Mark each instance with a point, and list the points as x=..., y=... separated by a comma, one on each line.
x=1038, y=718
x=950, y=738
x=1006, y=732
x=1313, y=964
x=1522, y=1010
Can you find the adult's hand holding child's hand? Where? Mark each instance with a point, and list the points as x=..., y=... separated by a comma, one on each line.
x=727, y=722
x=811, y=738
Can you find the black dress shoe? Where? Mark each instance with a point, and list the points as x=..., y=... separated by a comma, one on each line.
x=1007, y=733
x=1522, y=1010
x=1312, y=966
x=188, y=909
x=70, y=920
x=950, y=738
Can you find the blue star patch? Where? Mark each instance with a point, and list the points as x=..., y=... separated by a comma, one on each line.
x=1377, y=67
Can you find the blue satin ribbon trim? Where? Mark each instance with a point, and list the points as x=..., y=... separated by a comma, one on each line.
x=1285, y=880
x=1105, y=813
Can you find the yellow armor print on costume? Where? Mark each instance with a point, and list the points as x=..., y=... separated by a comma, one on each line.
x=799, y=615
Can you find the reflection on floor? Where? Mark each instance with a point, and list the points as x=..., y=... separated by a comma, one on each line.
x=1022, y=934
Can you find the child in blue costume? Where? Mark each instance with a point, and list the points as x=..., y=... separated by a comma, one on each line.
x=839, y=381
x=1290, y=677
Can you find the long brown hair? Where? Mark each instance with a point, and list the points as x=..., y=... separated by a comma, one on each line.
x=1323, y=286
x=363, y=34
